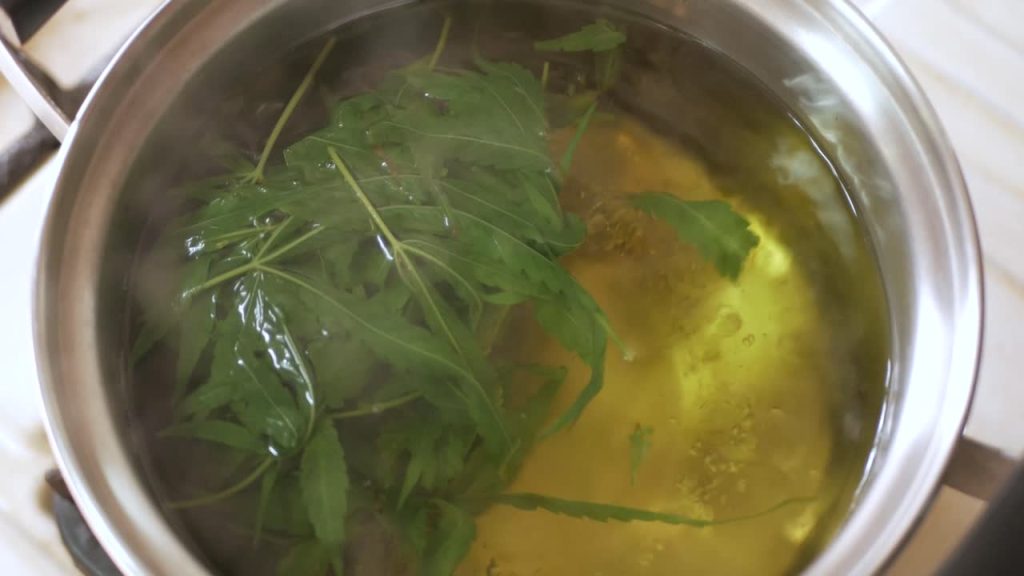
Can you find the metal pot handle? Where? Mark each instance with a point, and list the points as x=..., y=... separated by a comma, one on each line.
x=978, y=470
x=19, y=20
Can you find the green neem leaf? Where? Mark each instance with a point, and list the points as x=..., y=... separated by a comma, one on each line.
x=208, y=397
x=150, y=333
x=593, y=510
x=639, y=444
x=484, y=119
x=309, y=558
x=524, y=204
x=219, y=432
x=196, y=328
x=325, y=484
x=267, y=484
x=721, y=235
x=343, y=367
x=266, y=335
x=221, y=386
x=406, y=345
x=597, y=37
x=528, y=419
x=478, y=379
x=609, y=68
x=264, y=406
x=264, y=358
x=422, y=459
x=285, y=510
x=511, y=78
x=570, y=151
x=450, y=540
x=577, y=323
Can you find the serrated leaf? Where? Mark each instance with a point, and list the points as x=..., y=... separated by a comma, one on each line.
x=264, y=406
x=406, y=345
x=209, y=396
x=343, y=368
x=422, y=458
x=221, y=385
x=443, y=139
x=450, y=541
x=515, y=79
x=150, y=333
x=581, y=129
x=195, y=331
x=265, y=341
x=489, y=119
x=575, y=321
x=593, y=510
x=639, y=444
x=219, y=432
x=597, y=37
x=325, y=484
x=267, y=484
x=538, y=407
x=305, y=559
x=722, y=236
x=285, y=510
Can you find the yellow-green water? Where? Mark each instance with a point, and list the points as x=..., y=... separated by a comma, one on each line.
x=738, y=381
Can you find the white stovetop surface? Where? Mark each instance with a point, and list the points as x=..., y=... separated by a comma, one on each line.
x=968, y=54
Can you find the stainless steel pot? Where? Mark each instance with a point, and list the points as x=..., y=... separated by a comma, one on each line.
x=820, y=56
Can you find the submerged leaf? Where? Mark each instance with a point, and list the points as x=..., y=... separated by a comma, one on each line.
x=305, y=559
x=325, y=484
x=450, y=542
x=578, y=323
x=597, y=37
x=721, y=235
x=593, y=510
x=219, y=432
x=267, y=485
x=639, y=444
x=407, y=345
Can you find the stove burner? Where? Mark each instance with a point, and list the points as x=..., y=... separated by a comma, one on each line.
x=85, y=550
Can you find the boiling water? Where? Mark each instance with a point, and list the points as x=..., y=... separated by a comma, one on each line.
x=751, y=392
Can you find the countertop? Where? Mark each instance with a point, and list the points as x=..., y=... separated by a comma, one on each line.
x=967, y=54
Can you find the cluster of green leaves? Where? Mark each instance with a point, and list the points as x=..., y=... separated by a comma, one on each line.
x=337, y=312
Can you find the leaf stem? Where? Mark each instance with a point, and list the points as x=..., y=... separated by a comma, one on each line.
x=224, y=277
x=289, y=109
x=273, y=236
x=307, y=380
x=363, y=198
x=376, y=408
x=545, y=73
x=609, y=512
x=441, y=43
x=628, y=354
x=289, y=246
x=227, y=492
x=255, y=263
x=240, y=233
x=575, y=142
